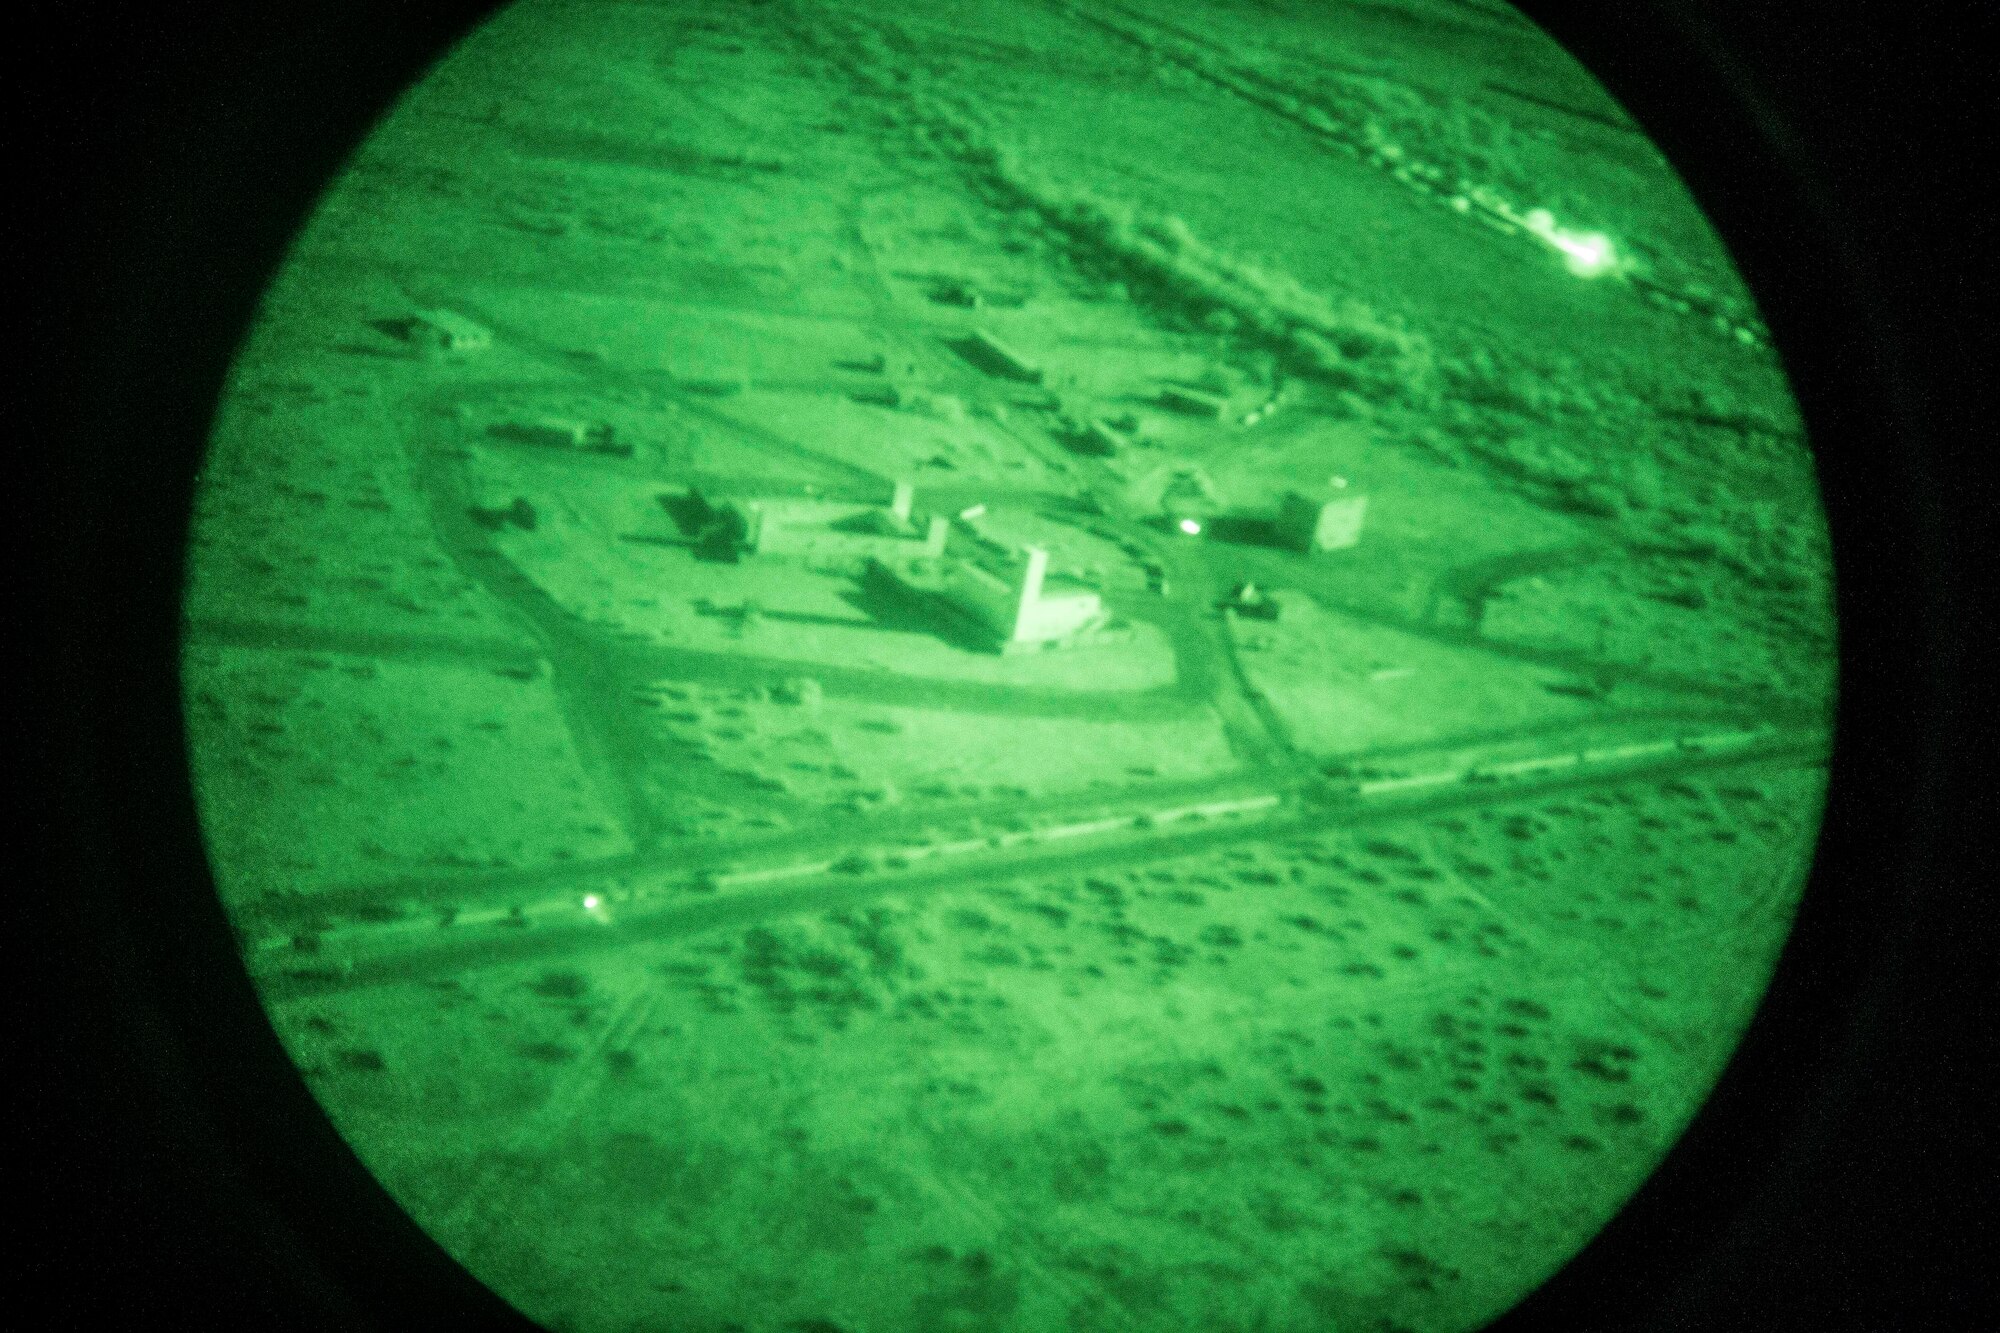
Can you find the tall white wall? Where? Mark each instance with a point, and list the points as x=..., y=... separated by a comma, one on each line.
x=1028, y=587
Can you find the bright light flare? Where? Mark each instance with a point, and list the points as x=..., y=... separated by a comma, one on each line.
x=1586, y=254
x=1190, y=527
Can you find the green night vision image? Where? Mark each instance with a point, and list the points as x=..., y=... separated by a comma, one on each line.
x=1011, y=665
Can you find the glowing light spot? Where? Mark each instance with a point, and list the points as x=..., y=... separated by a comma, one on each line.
x=591, y=902
x=1585, y=256
x=1190, y=527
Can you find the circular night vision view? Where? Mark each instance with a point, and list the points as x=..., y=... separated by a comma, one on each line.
x=1027, y=666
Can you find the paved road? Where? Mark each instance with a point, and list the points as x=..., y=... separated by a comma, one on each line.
x=399, y=646
x=830, y=833
x=556, y=929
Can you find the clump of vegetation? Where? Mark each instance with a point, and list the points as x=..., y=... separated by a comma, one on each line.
x=1417, y=1269
x=562, y=985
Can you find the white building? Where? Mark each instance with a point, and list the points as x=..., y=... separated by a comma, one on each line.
x=1322, y=519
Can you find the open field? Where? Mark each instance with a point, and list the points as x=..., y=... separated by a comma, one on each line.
x=694, y=934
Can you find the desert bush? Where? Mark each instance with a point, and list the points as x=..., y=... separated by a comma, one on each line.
x=563, y=985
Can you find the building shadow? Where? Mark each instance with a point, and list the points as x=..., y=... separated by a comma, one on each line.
x=982, y=357
x=713, y=387
x=815, y=618
x=1230, y=529
x=1245, y=530
x=494, y=518
x=365, y=349
x=690, y=512
x=715, y=535
x=891, y=605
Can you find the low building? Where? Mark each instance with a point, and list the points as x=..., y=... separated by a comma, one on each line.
x=1194, y=402
x=1103, y=439
x=885, y=394
x=555, y=433
x=841, y=530
x=956, y=291
x=1189, y=497
x=441, y=330
x=800, y=692
x=1247, y=599
x=997, y=358
x=1321, y=519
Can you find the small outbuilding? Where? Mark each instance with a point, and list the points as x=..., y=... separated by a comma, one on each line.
x=1194, y=402
x=1324, y=518
x=1247, y=599
x=441, y=330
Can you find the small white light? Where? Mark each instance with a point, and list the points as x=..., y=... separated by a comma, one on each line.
x=1190, y=527
x=1585, y=256
x=591, y=902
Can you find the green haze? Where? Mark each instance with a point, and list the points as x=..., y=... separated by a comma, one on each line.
x=1026, y=666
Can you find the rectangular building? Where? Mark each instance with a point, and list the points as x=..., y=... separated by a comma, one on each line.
x=842, y=530
x=998, y=358
x=1321, y=520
